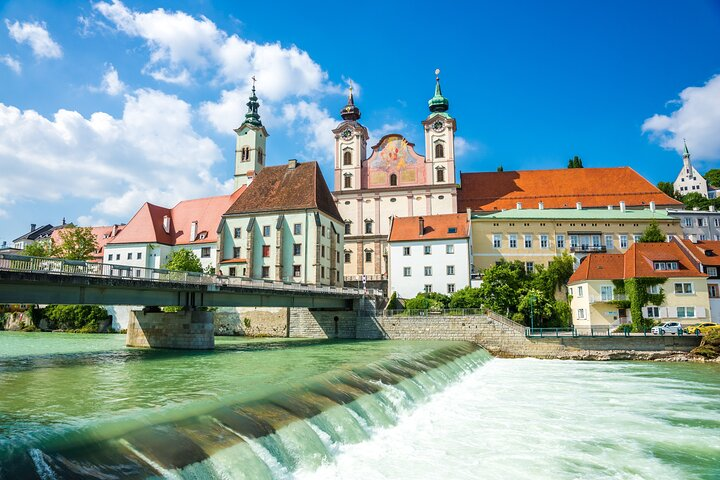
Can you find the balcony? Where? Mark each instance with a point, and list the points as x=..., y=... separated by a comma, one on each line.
x=607, y=298
x=588, y=249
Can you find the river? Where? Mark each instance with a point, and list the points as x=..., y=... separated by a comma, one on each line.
x=74, y=406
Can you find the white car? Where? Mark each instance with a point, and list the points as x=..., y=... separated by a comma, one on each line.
x=670, y=327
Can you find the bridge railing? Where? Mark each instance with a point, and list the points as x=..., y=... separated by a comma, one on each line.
x=22, y=263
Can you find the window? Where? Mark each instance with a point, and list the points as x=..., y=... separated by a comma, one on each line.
x=449, y=249
x=347, y=229
x=452, y=229
x=117, y=256
x=653, y=289
x=653, y=312
x=347, y=158
x=129, y=256
x=450, y=269
x=297, y=249
x=347, y=257
x=528, y=241
x=573, y=241
x=440, y=175
x=609, y=242
x=512, y=240
x=687, y=222
x=297, y=229
x=296, y=270
x=237, y=233
x=337, y=257
x=428, y=271
x=685, y=312
x=606, y=293
x=712, y=290
x=665, y=265
x=580, y=292
x=427, y=249
x=623, y=241
x=451, y=288
x=712, y=271
x=406, y=251
x=596, y=242
x=110, y=258
x=266, y=230
x=581, y=314
x=393, y=179
x=138, y=256
x=716, y=222
x=232, y=271
x=529, y=267
x=702, y=236
x=245, y=154
x=636, y=237
x=266, y=251
x=702, y=222
x=439, y=150
x=560, y=241
x=368, y=257
x=265, y=272
x=407, y=271
x=428, y=288
x=323, y=231
x=348, y=181
x=205, y=252
x=236, y=252
x=368, y=227
x=497, y=240
x=322, y=251
x=544, y=243
x=260, y=155
x=322, y=272
x=683, y=288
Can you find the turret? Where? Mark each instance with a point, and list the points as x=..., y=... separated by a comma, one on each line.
x=250, y=145
x=439, y=138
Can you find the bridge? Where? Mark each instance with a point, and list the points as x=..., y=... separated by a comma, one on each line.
x=37, y=280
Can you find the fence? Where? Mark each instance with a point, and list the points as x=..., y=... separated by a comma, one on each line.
x=438, y=312
x=595, y=332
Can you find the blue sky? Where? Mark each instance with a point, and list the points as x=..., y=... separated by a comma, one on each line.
x=105, y=105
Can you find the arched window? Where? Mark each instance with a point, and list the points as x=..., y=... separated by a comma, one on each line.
x=393, y=179
x=347, y=158
x=260, y=156
x=245, y=154
x=347, y=227
x=348, y=181
x=440, y=175
x=439, y=150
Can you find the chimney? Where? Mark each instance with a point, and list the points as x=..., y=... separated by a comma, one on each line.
x=541, y=206
x=518, y=205
x=652, y=206
x=166, y=223
x=114, y=230
x=421, y=222
x=622, y=207
x=693, y=238
x=292, y=163
x=578, y=205
x=32, y=227
x=193, y=231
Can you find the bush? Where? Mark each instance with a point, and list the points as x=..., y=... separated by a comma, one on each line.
x=467, y=297
x=710, y=345
x=77, y=318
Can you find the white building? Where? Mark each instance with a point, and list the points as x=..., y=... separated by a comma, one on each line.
x=689, y=180
x=429, y=254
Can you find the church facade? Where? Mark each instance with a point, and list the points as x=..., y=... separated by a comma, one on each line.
x=392, y=180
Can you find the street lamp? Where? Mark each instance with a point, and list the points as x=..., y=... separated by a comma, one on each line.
x=532, y=313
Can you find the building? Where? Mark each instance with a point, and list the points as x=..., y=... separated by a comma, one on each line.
x=36, y=234
x=392, y=181
x=429, y=254
x=102, y=235
x=698, y=224
x=705, y=255
x=284, y=227
x=689, y=179
x=535, y=236
x=593, y=286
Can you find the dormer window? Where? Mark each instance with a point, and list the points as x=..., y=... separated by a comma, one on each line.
x=659, y=266
x=452, y=229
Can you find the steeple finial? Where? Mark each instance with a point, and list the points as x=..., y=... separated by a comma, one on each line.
x=686, y=153
x=350, y=111
x=252, y=116
x=438, y=103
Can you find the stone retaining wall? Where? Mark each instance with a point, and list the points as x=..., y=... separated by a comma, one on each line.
x=252, y=321
x=186, y=330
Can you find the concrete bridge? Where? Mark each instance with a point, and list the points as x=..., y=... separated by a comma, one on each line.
x=35, y=280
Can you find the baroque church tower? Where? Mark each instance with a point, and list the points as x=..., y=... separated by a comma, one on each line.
x=440, y=139
x=350, y=147
x=250, y=145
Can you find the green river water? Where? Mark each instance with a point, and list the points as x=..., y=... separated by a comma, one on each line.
x=85, y=406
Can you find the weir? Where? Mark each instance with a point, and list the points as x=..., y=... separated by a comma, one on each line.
x=298, y=427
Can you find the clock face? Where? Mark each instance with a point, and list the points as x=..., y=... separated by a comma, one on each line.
x=438, y=126
x=346, y=134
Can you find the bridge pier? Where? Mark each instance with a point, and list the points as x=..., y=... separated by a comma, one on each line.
x=184, y=330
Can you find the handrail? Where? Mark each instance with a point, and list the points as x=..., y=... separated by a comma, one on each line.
x=60, y=266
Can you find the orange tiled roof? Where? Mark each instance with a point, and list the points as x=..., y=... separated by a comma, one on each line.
x=559, y=188
x=599, y=266
x=147, y=224
x=706, y=252
x=436, y=227
x=103, y=235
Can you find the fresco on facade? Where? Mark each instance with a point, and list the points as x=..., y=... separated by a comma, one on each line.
x=394, y=156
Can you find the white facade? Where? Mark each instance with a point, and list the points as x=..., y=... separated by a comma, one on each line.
x=448, y=261
x=689, y=179
x=154, y=255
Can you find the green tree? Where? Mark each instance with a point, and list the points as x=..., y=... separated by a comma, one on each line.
x=668, y=189
x=428, y=301
x=652, y=234
x=184, y=260
x=536, y=307
x=467, y=297
x=500, y=168
x=77, y=243
x=575, y=162
x=503, y=286
x=43, y=248
x=79, y=318
x=695, y=200
x=553, y=278
x=713, y=177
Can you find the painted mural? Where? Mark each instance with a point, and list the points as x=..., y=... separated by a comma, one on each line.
x=395, y=156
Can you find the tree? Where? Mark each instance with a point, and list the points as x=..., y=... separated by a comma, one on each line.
x=184, y=260
x=652, y=234
x=553, y=278
x=713, y=177
x=42, y=248
x=537, y=308
x=503, y=286
x=77, y=243
x=695, y=200
x=668, y=189
x=500, y=168
x=467, y=297
x=575, y=162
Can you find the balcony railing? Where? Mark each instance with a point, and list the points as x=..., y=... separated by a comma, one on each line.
x=607, y=298
x=588, y=249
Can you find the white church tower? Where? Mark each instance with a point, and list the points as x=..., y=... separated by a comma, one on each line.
x=250, y=146
x=689, y=180
x=440, y=130
x=350, y=147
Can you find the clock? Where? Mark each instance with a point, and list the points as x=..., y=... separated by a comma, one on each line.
x=438, y=126
x=346, y=134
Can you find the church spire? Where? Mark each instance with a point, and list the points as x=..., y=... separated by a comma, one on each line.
x=350, y=111
x=438, y=103
x=686, y=153
x=252, y=116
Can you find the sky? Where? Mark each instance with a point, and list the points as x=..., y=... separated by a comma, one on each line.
x=107, y=104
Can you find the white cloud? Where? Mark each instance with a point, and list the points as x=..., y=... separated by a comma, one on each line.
x=36, y=35
x=376, y=134
x=697, y=120
x=151, y=153
x=12, y=63
x=111, y=83
x=316, y=124
x=463, y=147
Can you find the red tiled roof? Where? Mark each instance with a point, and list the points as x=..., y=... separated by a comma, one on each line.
x=283, y=188
x=599, y=266
x=147, y=224
x=436, y=227
x=103, y=235
x=706, y=252
x=559, y=188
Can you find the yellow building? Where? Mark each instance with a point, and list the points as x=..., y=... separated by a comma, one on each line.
x=595, y=299
x=535, y=236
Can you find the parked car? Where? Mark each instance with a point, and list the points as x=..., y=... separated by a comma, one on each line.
x=702, y=328
x=673, y=328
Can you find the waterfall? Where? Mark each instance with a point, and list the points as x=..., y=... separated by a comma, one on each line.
x=292, y=430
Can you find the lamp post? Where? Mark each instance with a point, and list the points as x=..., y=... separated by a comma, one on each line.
x=532, y=313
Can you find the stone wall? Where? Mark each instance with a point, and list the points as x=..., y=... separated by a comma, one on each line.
x=311, y=323
x=252, y=321
x=185, y=330
x=16, y=321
